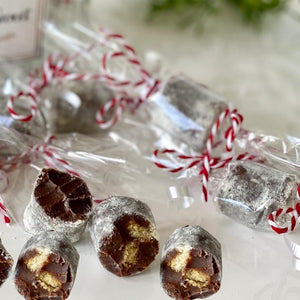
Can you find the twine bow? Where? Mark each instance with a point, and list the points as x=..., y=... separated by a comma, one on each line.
x=206, y=162
x=129, y=92
x=53, y=68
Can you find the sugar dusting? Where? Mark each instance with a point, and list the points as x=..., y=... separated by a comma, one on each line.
x=186, y=238
x=187, y=110
x=4, y=255
x=36, y=220
x=251, y=191
x=105, y=215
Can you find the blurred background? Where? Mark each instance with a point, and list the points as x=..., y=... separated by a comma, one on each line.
x=246, y=50
x=254, y=63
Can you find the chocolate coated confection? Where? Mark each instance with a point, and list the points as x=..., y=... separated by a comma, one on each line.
x=251, y=191
x=46, y=267
x=60, y=202
x=191, y=265
x=73, y=108
x=6, y=263
x=124, y=235
x=188, y=110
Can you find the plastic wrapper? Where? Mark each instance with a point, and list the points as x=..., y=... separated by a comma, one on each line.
x=63, y=12
x=74, y=95
x=268, y=191
x=196, y=128
x=96, y=84
x=139, y=99
x=250, y=192
x=71, y=94
x=108, y=167
x=258, y=186
x=71, y=108
x=36, y=126
x=188, y=121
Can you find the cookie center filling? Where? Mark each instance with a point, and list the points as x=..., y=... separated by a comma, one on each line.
x=36, y=262
x=179, y=262
x=136, y=234
x=48, y=282
x=140, y=232
x=137, y=239
x=191, y=276
x=130, y=254
x=196, y=278
x=45, y=279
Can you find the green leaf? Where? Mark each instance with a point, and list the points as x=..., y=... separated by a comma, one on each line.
x=190, y=10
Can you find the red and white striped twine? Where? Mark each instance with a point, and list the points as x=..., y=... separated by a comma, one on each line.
x=38, y=80
x=45, y=150
x=205, y=161
x=192, y=161
x=230, y=135
x=293, y=213
x=31, y=97
x=52, y=72
x=131, y=92
x=4, y=213
x=143, y=86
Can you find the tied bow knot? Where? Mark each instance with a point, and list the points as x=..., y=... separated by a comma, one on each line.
x=206, y=161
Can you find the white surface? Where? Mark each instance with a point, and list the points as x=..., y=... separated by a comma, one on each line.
x=258, y=71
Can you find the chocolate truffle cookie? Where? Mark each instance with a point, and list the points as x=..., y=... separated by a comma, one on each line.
x=187, y=110
x=6, y=263
x=60, y=202
x=73, y=107
x=46, y=267
x=191, y=265
x=124, y=235
x=251, y=191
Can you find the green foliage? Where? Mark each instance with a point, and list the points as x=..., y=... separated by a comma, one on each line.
x=251, y=10
x=180, y=5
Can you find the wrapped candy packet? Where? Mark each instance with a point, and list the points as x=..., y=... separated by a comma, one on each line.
x=67, y=89
x=250, y=192
x=73, y=95
x=62, y=91
x=257, y=187
x=199, y=131
x=203, y=131
x=108, y=168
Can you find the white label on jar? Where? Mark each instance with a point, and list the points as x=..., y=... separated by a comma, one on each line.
x=20, y=23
